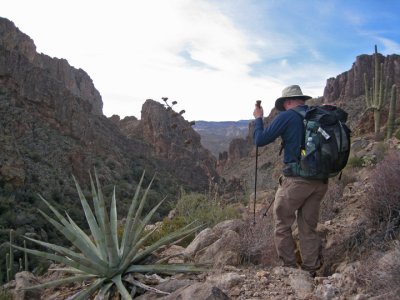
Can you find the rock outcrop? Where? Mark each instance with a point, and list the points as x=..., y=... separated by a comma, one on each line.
x=350, y=84
x=52, y=127
x=20, y=61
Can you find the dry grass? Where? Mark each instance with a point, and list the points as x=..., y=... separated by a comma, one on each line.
x=379, y=274
x=383, y=201
x=257, y=241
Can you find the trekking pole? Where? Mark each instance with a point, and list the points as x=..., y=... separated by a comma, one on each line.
x=269, y=206
x=255, y=189
x=258, y=104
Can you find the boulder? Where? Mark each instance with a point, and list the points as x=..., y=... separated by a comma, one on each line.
x=202, y=240
x=229, y=241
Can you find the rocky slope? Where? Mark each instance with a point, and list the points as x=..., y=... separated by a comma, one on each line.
x=359, y=261
x=52, y=127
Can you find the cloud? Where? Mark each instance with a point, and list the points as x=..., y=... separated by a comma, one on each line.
x=390, y=46
x=215, y=57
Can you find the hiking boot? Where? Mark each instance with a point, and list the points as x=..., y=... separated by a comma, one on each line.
x=290, y=266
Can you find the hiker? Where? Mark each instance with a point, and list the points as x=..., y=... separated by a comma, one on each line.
x=296, y=196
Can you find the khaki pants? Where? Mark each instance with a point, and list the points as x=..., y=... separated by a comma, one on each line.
x=304, y=196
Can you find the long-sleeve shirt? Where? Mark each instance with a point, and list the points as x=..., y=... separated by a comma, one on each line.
x=288, y=125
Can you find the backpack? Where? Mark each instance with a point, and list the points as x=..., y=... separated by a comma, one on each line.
x=326, y=145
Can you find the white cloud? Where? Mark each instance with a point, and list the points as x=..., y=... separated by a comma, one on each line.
x=195, y=52
x=390, y=46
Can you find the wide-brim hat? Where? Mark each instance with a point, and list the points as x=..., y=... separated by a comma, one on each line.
x=290, y=92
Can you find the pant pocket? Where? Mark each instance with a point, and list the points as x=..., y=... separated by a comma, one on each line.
x=280, y=180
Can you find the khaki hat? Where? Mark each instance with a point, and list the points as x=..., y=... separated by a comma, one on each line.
x=290, y=92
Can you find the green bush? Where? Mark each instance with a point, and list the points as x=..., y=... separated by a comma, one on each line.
x=191, y=208
x=355, y=162
x=207, y=211
x=167, y=226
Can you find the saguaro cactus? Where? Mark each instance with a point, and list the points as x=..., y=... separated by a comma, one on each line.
x=375, y=96
x=26, y=258
x=392, y=112
x=11, y=256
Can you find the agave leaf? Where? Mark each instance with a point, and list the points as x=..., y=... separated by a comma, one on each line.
x=112, y=250
x=134, y=250
x=100, y=219
x=80, y=232
x=76, y=240
x=76, y=257
x=167, y=269
x=128, y=224
x=134, y=227
x=114, y=220
x=60, y=259
x=91, y=220
x=85, y=293
x=121, y=288
x=60, y=282
x=69, y=231
x=137, y=233
x=187, y=230
x=145, y=221
x=104, y=292
x=68, y=270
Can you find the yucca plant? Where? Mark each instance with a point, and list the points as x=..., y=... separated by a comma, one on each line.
x=103, y=259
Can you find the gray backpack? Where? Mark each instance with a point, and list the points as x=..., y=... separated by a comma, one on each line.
x=326, y=145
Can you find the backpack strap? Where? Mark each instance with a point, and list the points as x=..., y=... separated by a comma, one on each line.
x=300, y=111
x=302, y=114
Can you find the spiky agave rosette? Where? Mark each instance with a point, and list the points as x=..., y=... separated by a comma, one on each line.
x=104, y=261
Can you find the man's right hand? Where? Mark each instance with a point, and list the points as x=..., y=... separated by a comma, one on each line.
x=258, y=112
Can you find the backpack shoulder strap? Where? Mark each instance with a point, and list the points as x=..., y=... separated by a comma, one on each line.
x=300, y=111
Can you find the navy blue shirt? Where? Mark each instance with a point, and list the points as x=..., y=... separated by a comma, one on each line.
x=288, y=125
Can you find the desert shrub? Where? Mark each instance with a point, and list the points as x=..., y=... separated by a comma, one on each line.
x=383, y=205
x=355, y=162
x=166, y=227
x=257, y=242
x=379, y=274
x=198, y=207
x=194, y=207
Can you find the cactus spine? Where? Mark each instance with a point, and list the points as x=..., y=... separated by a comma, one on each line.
x=392, y=112
x=375, y=95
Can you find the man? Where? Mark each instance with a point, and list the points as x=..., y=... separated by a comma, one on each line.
x=295, y=194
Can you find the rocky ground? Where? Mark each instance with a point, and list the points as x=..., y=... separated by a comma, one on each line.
x=244, y=265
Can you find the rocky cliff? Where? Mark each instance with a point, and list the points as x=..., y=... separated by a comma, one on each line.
x=350, y=84
x=52, y=127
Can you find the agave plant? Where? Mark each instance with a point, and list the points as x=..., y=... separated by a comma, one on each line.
x=103, y=259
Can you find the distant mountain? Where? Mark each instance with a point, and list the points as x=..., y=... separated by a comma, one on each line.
x=216, y=136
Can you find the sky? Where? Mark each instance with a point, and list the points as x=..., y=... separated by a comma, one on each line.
x=214, y=57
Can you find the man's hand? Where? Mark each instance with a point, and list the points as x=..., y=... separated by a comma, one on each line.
x=258, y=112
